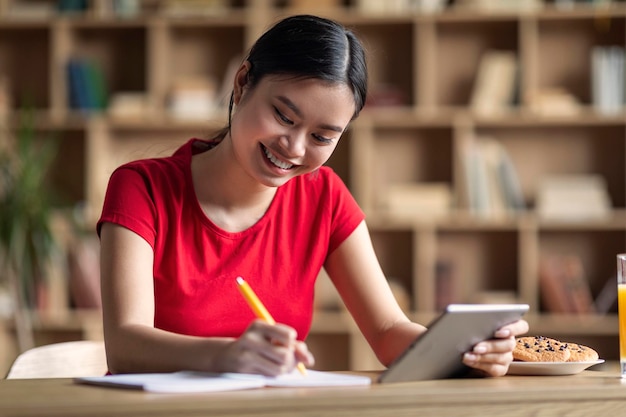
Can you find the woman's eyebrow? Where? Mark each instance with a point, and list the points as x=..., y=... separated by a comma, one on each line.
x=298, y=113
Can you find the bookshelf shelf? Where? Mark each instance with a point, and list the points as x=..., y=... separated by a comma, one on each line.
x=423, y=74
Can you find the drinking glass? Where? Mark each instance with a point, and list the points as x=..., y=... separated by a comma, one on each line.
x=621, y=291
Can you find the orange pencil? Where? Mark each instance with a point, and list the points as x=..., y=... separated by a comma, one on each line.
x=259, y=309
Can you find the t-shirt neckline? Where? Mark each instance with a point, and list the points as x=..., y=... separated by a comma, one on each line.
x=192, y=196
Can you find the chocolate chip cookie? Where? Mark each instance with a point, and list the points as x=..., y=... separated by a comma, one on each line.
x=581, y=353
x=540, y=349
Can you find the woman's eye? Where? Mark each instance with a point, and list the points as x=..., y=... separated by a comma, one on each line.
x=282, y=117
x=322, y=139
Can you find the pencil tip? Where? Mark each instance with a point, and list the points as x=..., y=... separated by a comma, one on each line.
x=240, y=280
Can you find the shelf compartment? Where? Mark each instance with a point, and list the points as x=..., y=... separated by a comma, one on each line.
x=24, y=53
x=546, y=150
x=68, y=185
x=419, y=155
x=120, y=52
x=596, y=250
x=470, y=257
x=390, y=57
x=203, y=50
x=459, y=47
x=195, y=51
x=576, y=37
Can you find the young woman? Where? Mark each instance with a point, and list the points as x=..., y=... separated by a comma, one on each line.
x=256, y=202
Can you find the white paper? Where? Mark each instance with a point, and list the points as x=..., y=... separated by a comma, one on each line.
x=189, y=382
x=316, y=379
x=174, y=382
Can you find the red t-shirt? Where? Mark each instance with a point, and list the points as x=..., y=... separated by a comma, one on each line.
x=196, y=262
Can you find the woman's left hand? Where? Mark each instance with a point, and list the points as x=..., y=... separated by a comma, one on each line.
x=493, y=357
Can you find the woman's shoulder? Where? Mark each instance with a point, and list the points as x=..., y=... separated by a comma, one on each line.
x=164, y=162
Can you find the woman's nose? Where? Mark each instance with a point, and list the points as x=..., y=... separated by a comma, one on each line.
x=294, y=144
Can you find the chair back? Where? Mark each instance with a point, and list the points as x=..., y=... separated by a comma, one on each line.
x=61, y=360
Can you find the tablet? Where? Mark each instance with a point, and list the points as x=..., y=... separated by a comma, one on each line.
x=438, y=353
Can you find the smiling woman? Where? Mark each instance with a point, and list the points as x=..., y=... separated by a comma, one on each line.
x=256, y=202
x=296, y=123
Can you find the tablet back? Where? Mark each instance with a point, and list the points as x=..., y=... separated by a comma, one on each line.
x=438, y=352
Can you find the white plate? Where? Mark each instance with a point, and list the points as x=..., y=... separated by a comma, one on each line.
x=549, y=368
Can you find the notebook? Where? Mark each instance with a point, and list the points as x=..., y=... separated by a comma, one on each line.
x=190, y=381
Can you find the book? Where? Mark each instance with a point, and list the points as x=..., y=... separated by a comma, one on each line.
x=553, y=290
x=192, y=381
x=87, y=89
x=78, y=96
x=96, y=85
x=564, y=286
x=573, y=198
x=607, y=79
x=509, y=181
x=606, y=300
x=495, y=85
x=476, y=176
x=192, y=98
x=419, y=200
x=492, y=186
x=556, y=102
x=499, y=5
x=446, y=285
x=187, y=8
x=71, y=6
x=577, y=285
x=492, y=153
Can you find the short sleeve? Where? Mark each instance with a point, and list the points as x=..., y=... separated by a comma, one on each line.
x=347, y=214
x=129, y=203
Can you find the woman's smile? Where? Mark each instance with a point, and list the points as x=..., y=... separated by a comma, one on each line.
x=275, y=161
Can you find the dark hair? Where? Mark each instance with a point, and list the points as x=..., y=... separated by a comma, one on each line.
x=306, y=46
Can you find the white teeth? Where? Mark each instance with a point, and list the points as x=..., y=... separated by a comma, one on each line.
x=276, y=161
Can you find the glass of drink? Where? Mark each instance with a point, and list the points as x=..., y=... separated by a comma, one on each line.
x=621, y=291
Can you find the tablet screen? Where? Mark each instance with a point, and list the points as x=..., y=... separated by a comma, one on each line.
x=438, y=352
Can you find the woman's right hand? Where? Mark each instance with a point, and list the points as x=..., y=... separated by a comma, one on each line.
x=267, y=349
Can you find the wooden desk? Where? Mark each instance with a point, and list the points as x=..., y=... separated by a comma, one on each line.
x=591, y=393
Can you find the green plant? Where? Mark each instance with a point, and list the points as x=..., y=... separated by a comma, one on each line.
x=26, y=241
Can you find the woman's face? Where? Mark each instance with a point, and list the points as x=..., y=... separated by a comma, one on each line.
x=285, y=127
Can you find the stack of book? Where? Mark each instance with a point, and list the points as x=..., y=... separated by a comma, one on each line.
x=193, y=98
x=419, y=200
x=492, y=186
x=87, y=87
x=573, y=198
x=564, y=286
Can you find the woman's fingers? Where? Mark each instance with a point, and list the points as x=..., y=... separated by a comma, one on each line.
x=303, y=355
x=492, y=364
x=514, y=329
x=270, y=349
x=494, y=356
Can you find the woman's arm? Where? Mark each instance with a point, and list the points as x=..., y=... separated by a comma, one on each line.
x=354, y=269
x=133, y=344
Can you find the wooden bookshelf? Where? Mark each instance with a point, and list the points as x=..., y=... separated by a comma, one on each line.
x=431, y=60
